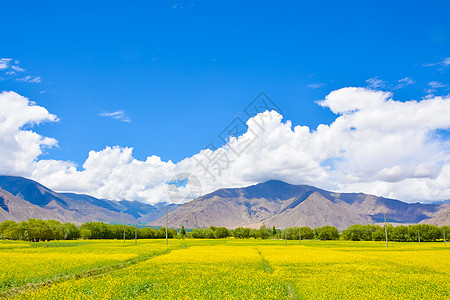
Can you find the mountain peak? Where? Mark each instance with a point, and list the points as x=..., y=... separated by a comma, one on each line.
x=282, y=204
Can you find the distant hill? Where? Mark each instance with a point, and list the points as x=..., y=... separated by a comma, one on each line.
x=21, y=199
x=442, y=218
x=284, y=205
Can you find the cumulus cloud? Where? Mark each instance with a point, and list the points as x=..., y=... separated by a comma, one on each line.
x=111, y=173
x=117, y=115
x=375, y=145
x=20, y=147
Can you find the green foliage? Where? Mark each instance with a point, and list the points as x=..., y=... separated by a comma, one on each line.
x=326, y=233
x=222, y=232
x=264, y=232
x=293, y=233
x=379, y=235
x=41, y=230
x=211, y=233
x=428, y=233
x=241, y=233
x=363, y=232
x=198, y=234
x=38, y=230
x=182, y=232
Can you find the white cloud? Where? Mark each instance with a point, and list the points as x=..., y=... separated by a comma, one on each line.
x=11, y=68
x=31, y=79
x=111, y=173
x=4, y=63
x=434, y=86
x=17, y=69
x=353, y=99
x=316, y=85
x=117, y=115
x=437, y=84
x=20, y=147
x=375, y=83
x=375, y=145
x=444, y=63
x=403, y=83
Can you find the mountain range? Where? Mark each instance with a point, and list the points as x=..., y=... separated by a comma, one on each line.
x=284, y=205
x=21, y=199
x=272, y=203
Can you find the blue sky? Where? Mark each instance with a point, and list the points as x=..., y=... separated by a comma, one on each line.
x=174, y=74
x=182, y=70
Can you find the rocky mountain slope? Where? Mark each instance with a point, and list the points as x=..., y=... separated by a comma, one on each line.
x=273, y=203
x=21, y=199
x=284, y=205
x=442, y=218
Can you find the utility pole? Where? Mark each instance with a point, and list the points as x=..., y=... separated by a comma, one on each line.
x=385, y=229
x=285, y=236
x=300, y=235
x=135, y=235
x=445, y=241
x=167, y=222
x=418, y=235
x=124, y=234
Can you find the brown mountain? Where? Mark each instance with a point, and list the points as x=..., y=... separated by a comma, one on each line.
x=442, y=218
x=21, y=199
x=284, y=205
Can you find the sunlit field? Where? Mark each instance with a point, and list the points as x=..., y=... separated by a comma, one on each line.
x=225, y=269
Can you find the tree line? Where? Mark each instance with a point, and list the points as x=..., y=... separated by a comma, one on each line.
x=39, y=230
x=411, y=233
x=36, y=230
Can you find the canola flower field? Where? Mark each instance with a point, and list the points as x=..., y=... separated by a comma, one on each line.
x=224, y=269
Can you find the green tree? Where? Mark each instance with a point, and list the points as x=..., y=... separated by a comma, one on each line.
x=307, y=233
x=198, y=233
x=71, y=231
x=85, y=233
x=182, y=232
x=4, y=226
x=222, y=232
x=209, y=233
x=326, y=233
x=264, y=232
x=241, y=233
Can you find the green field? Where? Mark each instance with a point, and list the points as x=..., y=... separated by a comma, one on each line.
x=224, y=269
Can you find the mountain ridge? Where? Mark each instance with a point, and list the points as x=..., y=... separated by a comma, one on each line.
x=22, y=198
x=272, y=202
x=284, y=205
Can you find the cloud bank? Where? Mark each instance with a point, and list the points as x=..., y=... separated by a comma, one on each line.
x=375, y=145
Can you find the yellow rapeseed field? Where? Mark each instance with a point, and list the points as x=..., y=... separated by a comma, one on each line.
x=260, y=269
x=27, y=263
